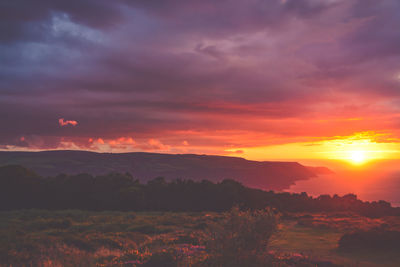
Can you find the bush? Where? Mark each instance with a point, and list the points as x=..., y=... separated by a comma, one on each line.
x=375, y=239
x=49, y=224
x=164, y=258
x=191, y=238
x=147, y=229
x=80, y=243
x=107, y=242
x=241, y=238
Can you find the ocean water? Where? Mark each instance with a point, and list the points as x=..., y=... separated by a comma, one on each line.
x=379, y=181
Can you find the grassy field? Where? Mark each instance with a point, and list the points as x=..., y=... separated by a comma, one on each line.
x=317, y=236
x=81, y=238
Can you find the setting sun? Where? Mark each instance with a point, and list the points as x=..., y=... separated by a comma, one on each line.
x=357, y=157
x=357, y=149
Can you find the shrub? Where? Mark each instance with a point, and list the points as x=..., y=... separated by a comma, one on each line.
x=241, y=238
x=144, y=229
x=107, y=242
x=188, y=239
x=49, y=224
x=200, y=226
x=375, y=239
x=164, y=258
x=80, y=243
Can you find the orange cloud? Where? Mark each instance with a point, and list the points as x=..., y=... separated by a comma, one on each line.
x=62, y=122
x=155, y=144
x=127, y=144
x=121, y=142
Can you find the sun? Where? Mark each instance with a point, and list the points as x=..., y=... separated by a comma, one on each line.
x=360, y=148
x=357, y=157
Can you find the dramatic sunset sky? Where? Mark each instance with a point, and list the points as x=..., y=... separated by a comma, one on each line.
x=260, y=79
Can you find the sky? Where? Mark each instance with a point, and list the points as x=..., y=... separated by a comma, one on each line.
x=260, y=79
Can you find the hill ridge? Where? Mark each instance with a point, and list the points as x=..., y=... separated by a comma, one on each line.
x=274, y=175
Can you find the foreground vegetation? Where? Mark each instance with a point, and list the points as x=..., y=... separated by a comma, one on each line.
x=114, y=220
x=76, y=238
x=235, y=238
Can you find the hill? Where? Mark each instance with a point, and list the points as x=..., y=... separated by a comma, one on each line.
x=320, y=170
x=146, y=166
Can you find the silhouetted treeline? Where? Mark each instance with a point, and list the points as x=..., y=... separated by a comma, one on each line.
x=22, y=189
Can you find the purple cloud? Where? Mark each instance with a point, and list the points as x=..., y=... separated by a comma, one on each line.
x=164, y=70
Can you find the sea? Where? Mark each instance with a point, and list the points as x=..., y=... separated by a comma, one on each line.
x=372, y=181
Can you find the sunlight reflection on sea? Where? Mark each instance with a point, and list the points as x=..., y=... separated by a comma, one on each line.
x=374, y=183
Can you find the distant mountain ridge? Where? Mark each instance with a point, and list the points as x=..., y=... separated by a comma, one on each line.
x=146, y=166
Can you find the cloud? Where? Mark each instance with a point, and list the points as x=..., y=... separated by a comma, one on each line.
x=217, y=74
x=122, y=142
x=23, y=19
x=63, y=122
x=126, y=144
x=155, y=145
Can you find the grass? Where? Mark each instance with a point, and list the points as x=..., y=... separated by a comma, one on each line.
x=292, y=237
x=94, y=238
x=319, y=237
x=82, y=238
